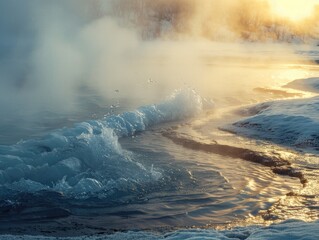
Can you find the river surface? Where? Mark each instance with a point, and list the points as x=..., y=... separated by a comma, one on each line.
x=155, y=167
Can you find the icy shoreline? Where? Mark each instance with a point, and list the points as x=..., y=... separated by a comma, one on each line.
x=291, y=123
x=287, y=230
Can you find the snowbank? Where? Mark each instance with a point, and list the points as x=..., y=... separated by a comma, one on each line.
x=284, y=231
x=309, y=84
x=293, y=123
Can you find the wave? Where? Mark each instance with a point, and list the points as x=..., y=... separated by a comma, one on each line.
x=87, y=158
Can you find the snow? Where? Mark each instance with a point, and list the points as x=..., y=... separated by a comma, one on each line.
x=292, y=123
x=309, y=84
x=288, y=230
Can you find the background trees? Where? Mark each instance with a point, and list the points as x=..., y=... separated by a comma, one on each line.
x=250, y=20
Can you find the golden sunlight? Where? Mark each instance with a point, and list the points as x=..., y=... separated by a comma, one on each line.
x=294, y=9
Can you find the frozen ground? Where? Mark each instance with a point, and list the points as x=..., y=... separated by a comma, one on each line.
x=292, y=123
x=309, y=84
x=285, y=231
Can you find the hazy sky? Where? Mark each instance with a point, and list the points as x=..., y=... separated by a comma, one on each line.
x=293, y=9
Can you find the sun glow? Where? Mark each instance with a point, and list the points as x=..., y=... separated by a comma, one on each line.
x=295, y=10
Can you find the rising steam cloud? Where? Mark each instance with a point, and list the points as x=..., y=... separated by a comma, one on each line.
x=51, y=49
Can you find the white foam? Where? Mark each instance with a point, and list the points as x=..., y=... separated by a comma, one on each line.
x=294, y=123
x=285, y=231
x=88, y=158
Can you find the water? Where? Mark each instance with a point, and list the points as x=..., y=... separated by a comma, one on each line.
x=121, y=172
x=193, y=188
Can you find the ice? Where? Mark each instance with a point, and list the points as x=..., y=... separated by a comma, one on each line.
x=293, y=123
x=309, y=84
x=88, y=158
x=284, y=231
x=288, y=230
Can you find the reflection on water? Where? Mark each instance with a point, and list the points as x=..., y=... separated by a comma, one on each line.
x=301, y=203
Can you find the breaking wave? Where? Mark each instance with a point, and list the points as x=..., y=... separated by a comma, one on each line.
x=87, y=158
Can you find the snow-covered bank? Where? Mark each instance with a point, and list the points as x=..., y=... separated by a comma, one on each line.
x=293, y=123
x=284, y=231
x=309, y=84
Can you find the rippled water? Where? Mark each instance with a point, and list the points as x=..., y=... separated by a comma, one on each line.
x=193, y=188
x=118, y=172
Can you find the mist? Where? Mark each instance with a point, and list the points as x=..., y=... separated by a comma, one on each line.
x=52, y=50
x=220, y=20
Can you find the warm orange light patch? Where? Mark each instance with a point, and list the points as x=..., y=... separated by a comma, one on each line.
x=295, y=10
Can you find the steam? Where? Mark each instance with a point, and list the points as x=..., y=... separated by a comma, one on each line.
x=64, y=49
x=145, y=49
x=227, y=20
